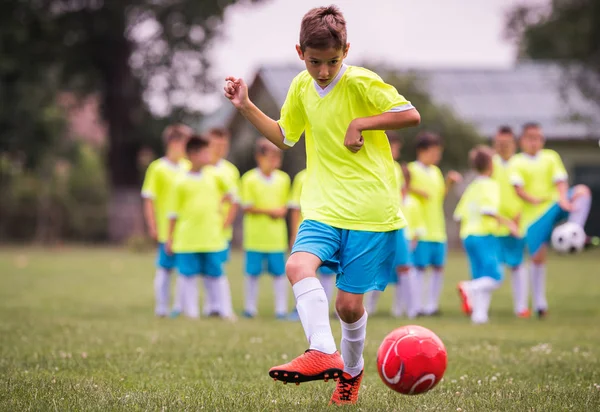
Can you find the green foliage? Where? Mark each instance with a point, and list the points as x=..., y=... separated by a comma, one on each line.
x=567, y=32
x=458, y=136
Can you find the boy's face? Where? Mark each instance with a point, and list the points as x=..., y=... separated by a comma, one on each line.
x=269, y=161
x=200, y=157
x=430, y=156
x=532, y=140
x=505, y=145
x=176, y=148
x=323, y=65
x=220, y=147
x=396, y=148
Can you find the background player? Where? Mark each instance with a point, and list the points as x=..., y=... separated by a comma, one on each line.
x=541, y=181
x=158, y=182
x=511, y=248
x=265, y=193
x=429, y=187
x=350, y=204
x=478, y=214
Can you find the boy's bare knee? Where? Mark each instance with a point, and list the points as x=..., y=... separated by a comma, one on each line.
x=582, y=191
x=301, y=265
x=349, y=311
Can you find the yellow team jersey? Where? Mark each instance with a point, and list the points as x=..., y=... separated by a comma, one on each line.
x=196, y=204
x=296, y=193
x=355, y=191
x=261, y=232
x=510, y=203
x=429, y=179
x=538, y=176
x=232, y=174
x=477, y=207
x=415, y=224
x=399, y=181
x=158, y=183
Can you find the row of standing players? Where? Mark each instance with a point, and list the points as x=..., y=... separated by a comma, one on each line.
x=192, y=196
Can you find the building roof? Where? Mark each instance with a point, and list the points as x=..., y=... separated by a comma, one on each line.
x=486, y=98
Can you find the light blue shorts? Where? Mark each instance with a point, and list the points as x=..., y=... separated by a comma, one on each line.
x=482, y=252
x=429, y=254
x=200, y=263
x=255, y=263
x=511, y=250
x=540, y=231
x=163, y=260
x=226, y=253
x=403, y=257
x=362, y=260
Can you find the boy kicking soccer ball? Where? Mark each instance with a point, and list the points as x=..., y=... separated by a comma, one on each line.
x=349, y=201
x=478, y=214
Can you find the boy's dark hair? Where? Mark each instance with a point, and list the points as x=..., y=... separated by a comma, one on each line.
x=394, y=137
x=480, y=158
x=219, y=133
x=323, y=28
x=264, y=146
x=505, y=130
x=425, y=140
x=177, y=131
x=529, y=125
x=195, y=143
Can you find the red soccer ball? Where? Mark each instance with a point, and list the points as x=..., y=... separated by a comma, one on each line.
x=411, y=360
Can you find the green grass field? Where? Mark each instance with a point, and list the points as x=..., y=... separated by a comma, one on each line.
x=77, y=332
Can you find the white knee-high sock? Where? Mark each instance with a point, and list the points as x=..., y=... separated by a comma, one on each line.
x=581, y=210
x=520, y=289
x=313, y=310
x=225, y=308
x=371, y=301
x=419, y=287
x=481, y=292
x=179, y=294
x=328, y=282
x=190, y=301
x=435, y=289
x=251, y=294
x=409, y=292
x=538, y=286
x=212, y=303
x=353, y=343
x=398, y=304
x=162, y=283
x=280, y=290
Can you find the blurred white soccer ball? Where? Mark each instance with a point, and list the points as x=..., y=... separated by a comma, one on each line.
x=568, y=238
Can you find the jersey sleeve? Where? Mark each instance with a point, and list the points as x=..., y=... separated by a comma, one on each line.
x=382, y=97
x=175, y=202
x=515, y=173
x=149, y=187
x=490, y=199
x=559, y=173
x=292, y=121
x=459, y=212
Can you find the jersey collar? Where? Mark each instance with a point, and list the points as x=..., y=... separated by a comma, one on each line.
x=324, y=92
x=169, y=164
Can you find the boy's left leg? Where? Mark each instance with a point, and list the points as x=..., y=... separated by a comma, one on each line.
x=366, y=259
x=221, y=293
x=438, y=261
x=276, y=267
x=581, y=200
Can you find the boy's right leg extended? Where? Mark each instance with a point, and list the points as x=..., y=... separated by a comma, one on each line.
x=315, y=243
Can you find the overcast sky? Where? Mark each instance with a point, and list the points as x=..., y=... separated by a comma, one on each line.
x=416, y=33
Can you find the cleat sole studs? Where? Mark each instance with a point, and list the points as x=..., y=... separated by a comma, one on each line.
x=285, y=375
x=297, y=383
x=276, y=373
x=285, y=382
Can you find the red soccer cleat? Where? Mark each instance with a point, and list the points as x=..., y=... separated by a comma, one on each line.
x=312, y=365
x=346, y=391
x=463, y=292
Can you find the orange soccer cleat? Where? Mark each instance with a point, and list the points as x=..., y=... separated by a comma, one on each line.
x=463, y=292
x=524, y=314
x=346, y=391
x=312, y=365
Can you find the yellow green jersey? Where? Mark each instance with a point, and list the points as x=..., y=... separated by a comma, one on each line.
x=296, y=192
x=158, y=183
x=510, y=203
x=415, y=224
x=232, y=174
x=261, y=232
x=429, y=179
x=355, y=191
x=538, y=176
x=196, y=205
x=399, y=180
x=478, y=207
